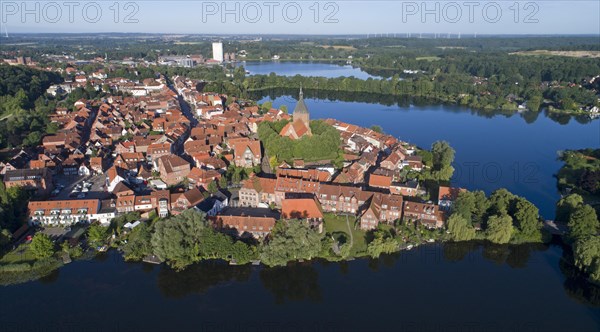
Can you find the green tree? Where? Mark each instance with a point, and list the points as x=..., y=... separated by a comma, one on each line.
x=138, y=243
x=586, y=252
x=291, y=240
x=526, y=217
x=176, y=240
x=442, y=158
x=212, y=187
x=583, y=222
x=499, y=229
x=443, y=154
x=460, y=228
x=41, y=246
x=566, y=206
x=223, y=182
x=471, y=205
x=383, y=243
x=97, y=235
x=377, y=129
x=5, y=237
x=3, y=194
x=500, y=201
x=266, y=106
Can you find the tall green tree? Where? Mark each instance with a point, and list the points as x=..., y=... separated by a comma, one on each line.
x=383, y=243
x=138, y=243
x=566, y=206
x=583, y=222
x=586, y=252
x=176, y=240
x=499, y=229
x=526, y=217
x=97, y=234
x=212, y=187
x=291, y=240
x=41, y=246
x=443, y=156
x=460, y=228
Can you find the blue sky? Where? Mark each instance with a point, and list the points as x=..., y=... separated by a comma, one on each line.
x=303, y=17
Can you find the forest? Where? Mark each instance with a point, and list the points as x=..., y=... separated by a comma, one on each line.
x=500, y=218
x=579, y=207
x=24, y=109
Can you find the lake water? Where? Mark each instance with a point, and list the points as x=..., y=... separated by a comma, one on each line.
x=440, y=287
x=287, y=68
x=431, y=288
x=493, y=151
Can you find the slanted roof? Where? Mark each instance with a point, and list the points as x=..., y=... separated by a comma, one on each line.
x=301, y=208
x=300, y=106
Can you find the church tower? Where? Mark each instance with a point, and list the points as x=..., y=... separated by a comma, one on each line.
x=300, y=126
x=301, y=112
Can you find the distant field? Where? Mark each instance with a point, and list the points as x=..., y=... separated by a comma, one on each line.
x=340, y=47
x=572, y=54
x=452, y=47
x=428, y=58
x=187, y=43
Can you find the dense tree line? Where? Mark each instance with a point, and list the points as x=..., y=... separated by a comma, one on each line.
x=580, y=176
x=502, y=217
x=33, y=82
x=183, y=240
x=188, y=238
x=24, y=110
x=581, y=172
x=13, y=207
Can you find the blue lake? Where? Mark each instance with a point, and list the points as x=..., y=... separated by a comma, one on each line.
x=438, y=287
x=286, y=68
x=492, y=151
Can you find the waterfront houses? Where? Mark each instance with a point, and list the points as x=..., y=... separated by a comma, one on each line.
x=156, y=156
x=68, y=212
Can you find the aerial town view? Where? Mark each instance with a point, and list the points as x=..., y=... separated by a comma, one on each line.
x=296, y=166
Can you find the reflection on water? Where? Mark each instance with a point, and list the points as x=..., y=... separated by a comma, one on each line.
x=306, y=68
x=199, y=278
x=462, y=283
x=296, y=282
x=576, y=284
x=406, y=101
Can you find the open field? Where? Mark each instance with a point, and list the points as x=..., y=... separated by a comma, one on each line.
x=428, y=58
x=339, y=47
x=572, y=54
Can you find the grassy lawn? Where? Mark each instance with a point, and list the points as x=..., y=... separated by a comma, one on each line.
x=335, y=223
x=19, y=255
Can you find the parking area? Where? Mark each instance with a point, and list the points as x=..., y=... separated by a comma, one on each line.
x=55, y=233
x=79, y=187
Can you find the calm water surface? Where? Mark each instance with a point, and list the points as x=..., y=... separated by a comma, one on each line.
x=286, y=68
x=492, y=151
x=431, y=288
x=450, y=287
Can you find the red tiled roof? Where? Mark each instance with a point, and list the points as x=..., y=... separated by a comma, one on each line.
x=301, y=208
